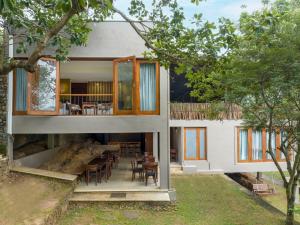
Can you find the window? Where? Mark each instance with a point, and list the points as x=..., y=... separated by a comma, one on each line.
x=136, y=86
x=253, y=145
x=273, y=143
x=148, y=79
x=20, y=91
x=37, y=93
x=195, y=144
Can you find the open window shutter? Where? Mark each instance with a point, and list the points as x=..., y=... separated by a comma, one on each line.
x=125, y=85
x=43, y=88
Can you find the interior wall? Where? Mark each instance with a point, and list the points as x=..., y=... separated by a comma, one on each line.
x=175, y=142
x=85, y=71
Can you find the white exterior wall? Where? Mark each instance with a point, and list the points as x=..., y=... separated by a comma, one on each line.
x=111, y=39
x=108, y=40
x=221, y=148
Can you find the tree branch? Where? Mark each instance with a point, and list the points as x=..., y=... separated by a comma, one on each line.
x=28, y=64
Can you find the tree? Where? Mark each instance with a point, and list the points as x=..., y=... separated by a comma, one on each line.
x=262, y=75
x=60, y=24
x=52, y=24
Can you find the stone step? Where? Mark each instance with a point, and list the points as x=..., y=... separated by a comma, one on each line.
x=44, y=173
x=129, y=196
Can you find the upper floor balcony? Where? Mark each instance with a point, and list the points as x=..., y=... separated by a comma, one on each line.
x=125, y=86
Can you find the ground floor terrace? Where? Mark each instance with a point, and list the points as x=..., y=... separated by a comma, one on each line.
x=114, y=162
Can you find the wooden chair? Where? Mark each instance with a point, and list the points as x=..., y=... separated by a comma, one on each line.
x=135, y=170
x=150, y=170
x=116, y=158
x=262, y=189
x=73, y=109
x=89, y=171
x=149, y=158
x=103, y=168
x=173, y=155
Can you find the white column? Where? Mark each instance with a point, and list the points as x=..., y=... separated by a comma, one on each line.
x=297, y=194
x=9, y=107
x=51, y=141
x=155, y=145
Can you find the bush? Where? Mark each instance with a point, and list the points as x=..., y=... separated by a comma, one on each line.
x=2, y=149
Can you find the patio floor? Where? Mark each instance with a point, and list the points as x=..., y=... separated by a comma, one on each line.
x=119, y=181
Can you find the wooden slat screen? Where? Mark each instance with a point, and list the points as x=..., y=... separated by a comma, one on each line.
x=100, y=87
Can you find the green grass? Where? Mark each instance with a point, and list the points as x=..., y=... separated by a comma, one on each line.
x=201, y=200
x=276, y=175
x=279, y=201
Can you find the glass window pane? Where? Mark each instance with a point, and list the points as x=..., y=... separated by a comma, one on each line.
x=202, y=144
x=21, y=90
x=125, y=79
x=273, y=143
x=147, y=87
x=43, y=87
x=243, y=144
x=191, y=143
x=283, y=139
x=257, y=145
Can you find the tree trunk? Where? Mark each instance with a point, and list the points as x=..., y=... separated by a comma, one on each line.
x=290, y=196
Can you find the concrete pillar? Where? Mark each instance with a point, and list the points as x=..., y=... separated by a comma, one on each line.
x=297, y=201
x=155, y=145
x=10, y=150
x=51, y=141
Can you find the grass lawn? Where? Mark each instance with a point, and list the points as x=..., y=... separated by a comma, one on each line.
x=279, y=201
x=201, y=200
x=275, y=174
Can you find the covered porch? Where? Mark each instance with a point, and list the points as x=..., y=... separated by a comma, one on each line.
x=67, y=156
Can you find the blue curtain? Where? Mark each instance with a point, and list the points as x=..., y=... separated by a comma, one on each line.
x=202, y=144
x=191, y=143
x=147, y=87
x=243, y=144
x=273, y=143
x=256, y=145
x=21, y=90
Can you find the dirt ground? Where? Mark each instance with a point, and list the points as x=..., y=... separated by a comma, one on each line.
x=28, y=200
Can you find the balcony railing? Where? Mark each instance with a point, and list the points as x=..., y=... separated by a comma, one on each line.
x=86, y=104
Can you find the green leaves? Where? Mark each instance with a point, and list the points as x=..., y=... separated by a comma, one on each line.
x=6, y=5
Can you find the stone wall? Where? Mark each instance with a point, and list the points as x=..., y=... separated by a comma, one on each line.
x=3, y=108
x=3, y=168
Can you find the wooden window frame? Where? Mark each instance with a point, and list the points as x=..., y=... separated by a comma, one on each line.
x=116, y=89
x=57, y=92
x=136, y=87
x=198, y=158
x=15, y=112
x=264, y=147
x=157, y=111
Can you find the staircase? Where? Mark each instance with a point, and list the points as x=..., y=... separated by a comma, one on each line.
x=121, y=196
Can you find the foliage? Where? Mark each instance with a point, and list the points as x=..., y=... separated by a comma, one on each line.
x=51, y=27
x=262, y=76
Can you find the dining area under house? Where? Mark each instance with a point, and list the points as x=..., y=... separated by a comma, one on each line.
x=130, y=166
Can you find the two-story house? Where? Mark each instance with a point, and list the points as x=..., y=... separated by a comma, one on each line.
x=106, y=90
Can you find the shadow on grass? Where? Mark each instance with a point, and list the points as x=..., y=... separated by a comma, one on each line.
x=270, y=208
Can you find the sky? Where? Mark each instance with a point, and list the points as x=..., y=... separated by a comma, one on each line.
x=211, y=9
